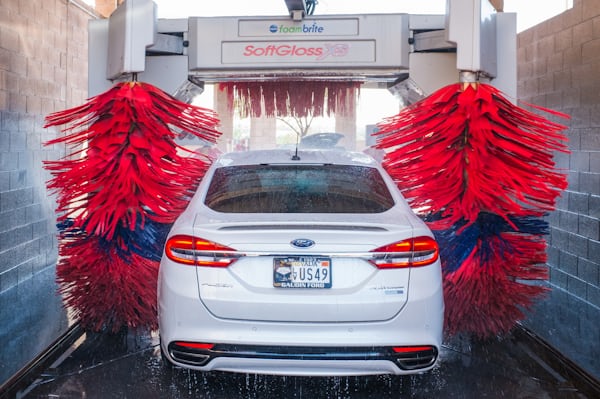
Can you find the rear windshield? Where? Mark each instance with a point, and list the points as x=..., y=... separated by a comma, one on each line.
x=298, y=189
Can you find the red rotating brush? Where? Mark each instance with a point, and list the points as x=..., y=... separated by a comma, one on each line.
x=482, y=169
x=122, y=185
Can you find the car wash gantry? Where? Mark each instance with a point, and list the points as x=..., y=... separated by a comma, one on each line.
x=302, y=62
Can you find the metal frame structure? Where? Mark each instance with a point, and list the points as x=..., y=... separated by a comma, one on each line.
x=406, y=53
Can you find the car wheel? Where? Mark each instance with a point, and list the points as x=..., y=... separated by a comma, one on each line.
x=165, y=360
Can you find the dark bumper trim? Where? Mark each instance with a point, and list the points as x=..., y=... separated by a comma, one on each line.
x=413, y=360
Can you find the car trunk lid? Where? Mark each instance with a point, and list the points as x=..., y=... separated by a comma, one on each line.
x=353, y=289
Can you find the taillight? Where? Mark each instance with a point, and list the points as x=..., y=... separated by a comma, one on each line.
x=413, y=252
x=194, y=251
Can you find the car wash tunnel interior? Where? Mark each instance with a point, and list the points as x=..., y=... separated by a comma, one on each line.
x=112, y=112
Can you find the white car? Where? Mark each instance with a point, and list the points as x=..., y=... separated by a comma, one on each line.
x=300, y=263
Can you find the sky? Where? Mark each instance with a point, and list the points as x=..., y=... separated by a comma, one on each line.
x=529, y=12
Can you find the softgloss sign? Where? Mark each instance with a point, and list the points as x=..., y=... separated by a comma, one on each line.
x=305, y=52
x=363, y=44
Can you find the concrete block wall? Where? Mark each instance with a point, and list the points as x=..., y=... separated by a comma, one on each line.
x=43, y=69
x=559, y=68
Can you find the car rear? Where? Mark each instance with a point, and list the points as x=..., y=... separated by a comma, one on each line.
x=302, y=267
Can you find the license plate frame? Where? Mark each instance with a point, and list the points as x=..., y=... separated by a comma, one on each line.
x=306, y=272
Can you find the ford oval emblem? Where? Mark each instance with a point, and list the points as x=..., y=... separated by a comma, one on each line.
x=302, y=243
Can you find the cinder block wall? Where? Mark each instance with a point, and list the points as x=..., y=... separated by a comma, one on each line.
x=43, y=68
x=559, y=68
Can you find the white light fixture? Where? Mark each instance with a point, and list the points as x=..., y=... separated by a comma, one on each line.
x=296, y=8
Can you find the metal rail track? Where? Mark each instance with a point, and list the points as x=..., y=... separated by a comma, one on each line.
x=579, y=377
x=31, y=371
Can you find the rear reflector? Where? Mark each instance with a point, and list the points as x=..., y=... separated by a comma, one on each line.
x=194, y=345
x=410, y=349
x=194, y=251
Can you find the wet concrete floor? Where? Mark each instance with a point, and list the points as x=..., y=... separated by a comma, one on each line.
x=129, y=366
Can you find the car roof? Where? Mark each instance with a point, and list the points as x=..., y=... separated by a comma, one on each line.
x=285, y=156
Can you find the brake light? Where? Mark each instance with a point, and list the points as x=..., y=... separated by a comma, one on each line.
x=414, y=252
x=194, y=251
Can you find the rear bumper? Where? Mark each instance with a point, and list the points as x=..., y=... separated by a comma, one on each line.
x=304, y=360
x=408, y=358
x=349, y=346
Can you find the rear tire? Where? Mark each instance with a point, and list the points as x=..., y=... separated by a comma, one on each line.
x=165, y=360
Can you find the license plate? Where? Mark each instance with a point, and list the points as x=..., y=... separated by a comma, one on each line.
x=302, y=272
